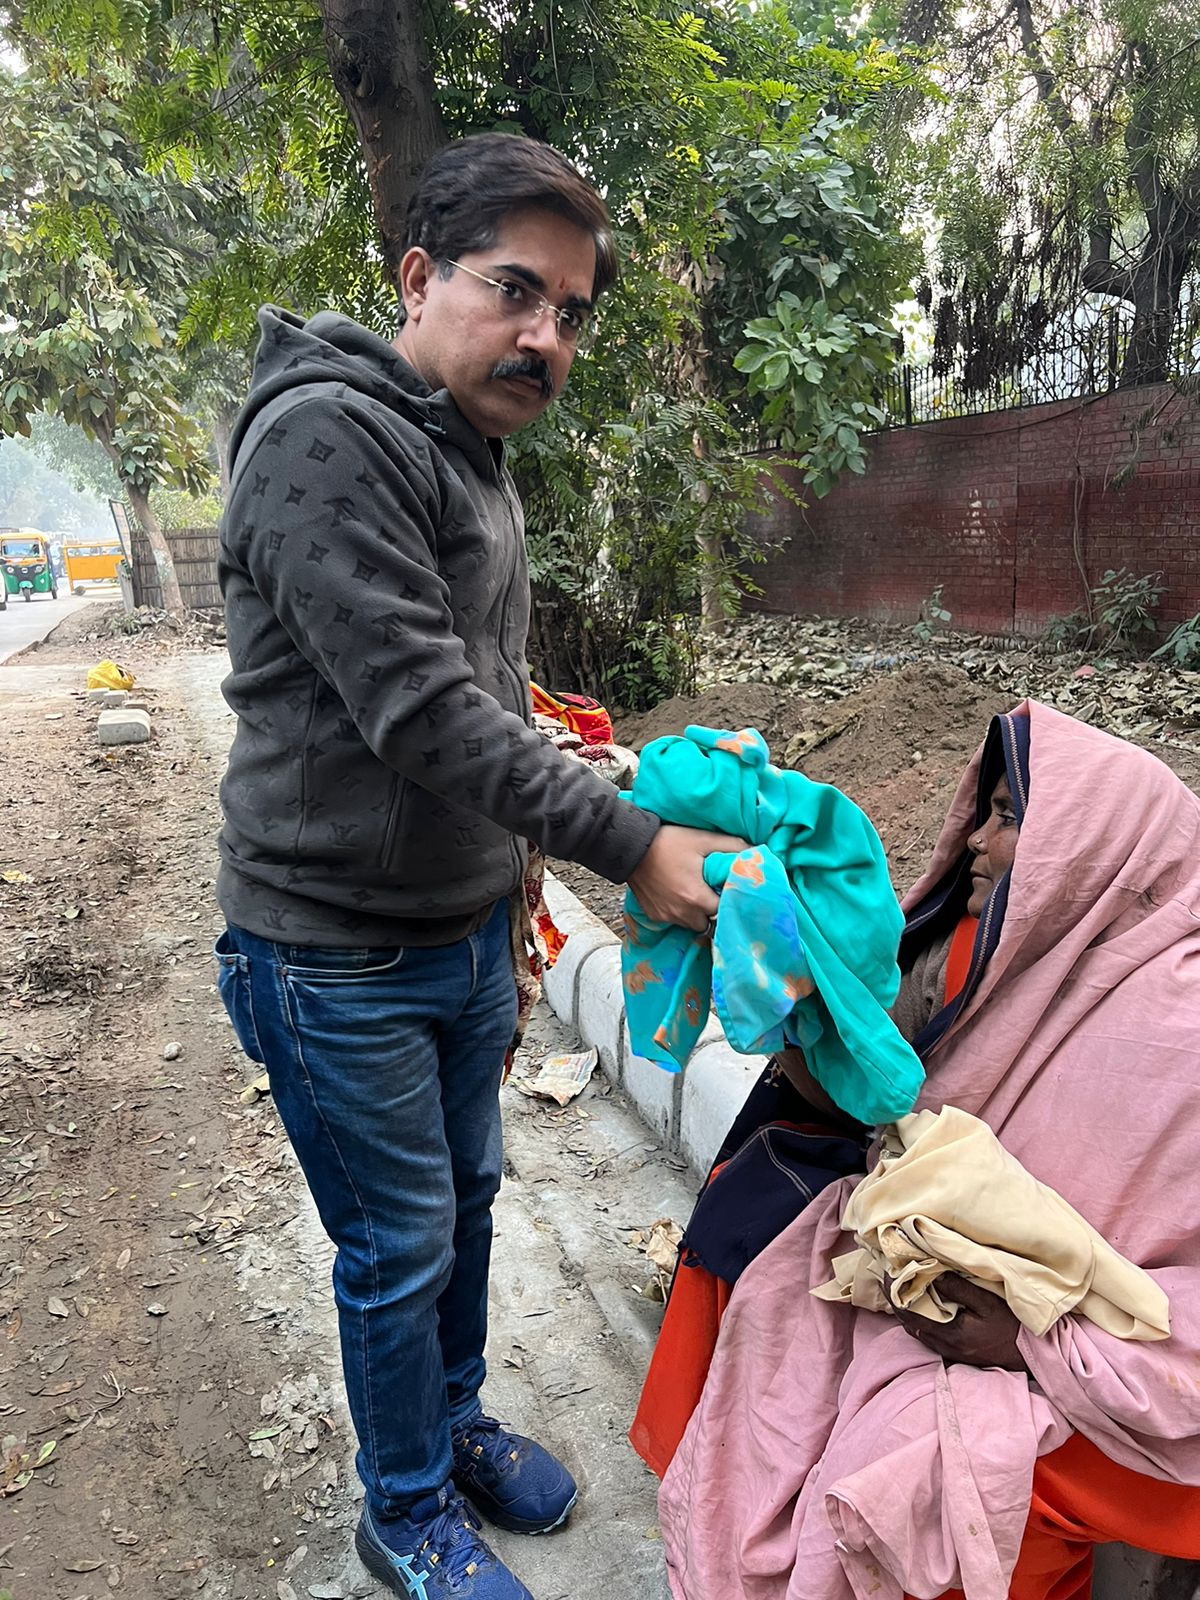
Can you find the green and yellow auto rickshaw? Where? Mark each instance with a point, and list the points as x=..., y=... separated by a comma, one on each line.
x=25, y=565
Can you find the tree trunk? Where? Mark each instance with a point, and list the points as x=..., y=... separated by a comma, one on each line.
x=713, y=614
x=222, y=434
x=1156, y=290
x=164, y=561
x=381, y=68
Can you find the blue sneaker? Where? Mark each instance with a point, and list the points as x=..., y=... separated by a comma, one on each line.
x=434, y=1553
x=511, y=1480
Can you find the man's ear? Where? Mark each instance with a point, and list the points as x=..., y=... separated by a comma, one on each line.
x=417, y=270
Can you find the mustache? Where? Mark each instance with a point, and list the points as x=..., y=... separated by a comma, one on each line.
x=527, y=367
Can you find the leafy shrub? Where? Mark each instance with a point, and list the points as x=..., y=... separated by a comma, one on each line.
x=932, y=617
x=1122, y=605
x=1183, y=644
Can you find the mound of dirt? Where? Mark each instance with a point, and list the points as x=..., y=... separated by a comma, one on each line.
x=901, y=749
x=103, y=629
x=897, y=746
x=776, y=714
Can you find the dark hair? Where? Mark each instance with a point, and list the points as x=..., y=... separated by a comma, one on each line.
x=468, y=189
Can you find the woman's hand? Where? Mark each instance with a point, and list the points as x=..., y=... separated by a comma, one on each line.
x=983, y=1334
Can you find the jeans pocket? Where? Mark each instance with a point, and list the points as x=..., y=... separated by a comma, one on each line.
x=233, y=985
x=327, y=965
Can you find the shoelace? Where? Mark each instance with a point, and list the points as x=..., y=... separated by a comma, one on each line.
x=450, y=1539
x=482, y=1439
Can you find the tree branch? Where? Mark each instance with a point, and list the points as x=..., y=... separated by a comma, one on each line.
x=379, y=63
x=1043, y=77
x=1140, y=142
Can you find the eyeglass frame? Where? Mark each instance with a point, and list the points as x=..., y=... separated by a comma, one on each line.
x=543, y=305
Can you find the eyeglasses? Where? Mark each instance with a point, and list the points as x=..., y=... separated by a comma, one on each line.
x=572, y=324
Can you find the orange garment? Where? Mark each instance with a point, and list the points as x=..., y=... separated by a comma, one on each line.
x=1082, y=1499
x=680, y=1363
x=958, y=961
x=581, y=714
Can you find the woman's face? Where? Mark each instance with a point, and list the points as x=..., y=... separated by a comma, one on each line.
x=993, y=846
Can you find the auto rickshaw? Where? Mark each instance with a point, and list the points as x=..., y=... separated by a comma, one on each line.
x=26, y=567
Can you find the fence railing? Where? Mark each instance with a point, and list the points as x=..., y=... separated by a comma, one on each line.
x=195, y=552
x=1086, y=361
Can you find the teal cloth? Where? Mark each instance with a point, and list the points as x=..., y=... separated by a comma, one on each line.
x=807, y=932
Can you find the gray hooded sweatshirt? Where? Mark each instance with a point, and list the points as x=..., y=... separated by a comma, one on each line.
x=383, y=777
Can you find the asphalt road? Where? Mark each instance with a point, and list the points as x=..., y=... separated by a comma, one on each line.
x=28, y=620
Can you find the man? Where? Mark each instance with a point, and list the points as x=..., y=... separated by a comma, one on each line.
x=382, y=784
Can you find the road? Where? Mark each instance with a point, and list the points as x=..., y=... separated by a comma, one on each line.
x=28, y=620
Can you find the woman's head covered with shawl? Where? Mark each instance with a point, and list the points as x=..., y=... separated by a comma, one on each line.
x=1108, y=856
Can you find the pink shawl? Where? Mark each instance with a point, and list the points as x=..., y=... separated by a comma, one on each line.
x=831, y=1457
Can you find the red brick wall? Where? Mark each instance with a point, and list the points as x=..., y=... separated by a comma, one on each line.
x=986, y=506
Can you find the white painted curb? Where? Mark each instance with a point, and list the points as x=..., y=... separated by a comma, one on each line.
x=690, y=1111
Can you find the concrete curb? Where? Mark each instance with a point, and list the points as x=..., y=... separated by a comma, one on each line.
x=690, y=1111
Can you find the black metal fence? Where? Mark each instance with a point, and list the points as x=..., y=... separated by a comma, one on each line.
x=1086, y=361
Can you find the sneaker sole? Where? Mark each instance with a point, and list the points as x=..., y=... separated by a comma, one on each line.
x=499, y=1519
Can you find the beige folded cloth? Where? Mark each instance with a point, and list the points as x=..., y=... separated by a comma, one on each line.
x=946, y=1196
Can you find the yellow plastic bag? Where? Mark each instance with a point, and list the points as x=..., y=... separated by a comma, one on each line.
x=108, y=675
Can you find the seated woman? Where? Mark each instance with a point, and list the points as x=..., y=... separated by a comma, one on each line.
x=1052, y=987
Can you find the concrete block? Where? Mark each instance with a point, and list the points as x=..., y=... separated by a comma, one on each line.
x=654, y=1091
x=716, y=1082
x=585, y=934
x=600, y=1007
x=570, y=913
x=115, y=697
x=560, y=983
x=97, y=696
x=123, y=727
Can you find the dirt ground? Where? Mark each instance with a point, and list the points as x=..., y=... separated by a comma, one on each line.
x=130, y=1183
x=171, y=1412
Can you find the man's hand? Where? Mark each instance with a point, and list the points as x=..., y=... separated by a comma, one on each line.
x=669, y=882
x=983, y=1334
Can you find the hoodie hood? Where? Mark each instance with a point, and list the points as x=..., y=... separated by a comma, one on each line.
x=330, y=349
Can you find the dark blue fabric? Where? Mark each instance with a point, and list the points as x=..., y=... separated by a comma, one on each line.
x=761, y=1191
x=385, y=1069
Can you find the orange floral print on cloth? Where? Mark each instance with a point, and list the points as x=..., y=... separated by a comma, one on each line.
x=536, y=945
x=806, y=937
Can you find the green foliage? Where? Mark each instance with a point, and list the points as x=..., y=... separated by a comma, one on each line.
x=933, y=617
x=1062, y=177
x=79, y=459
x=35, y=495
x=615, y=545
x=176, y=509
x=1122, y=605
x=761, y=263
x=812, y=267
x=1065, y=633
x=1182, y=645
x=87, y=284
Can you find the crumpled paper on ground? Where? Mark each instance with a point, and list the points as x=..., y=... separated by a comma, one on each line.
x=561, y=1078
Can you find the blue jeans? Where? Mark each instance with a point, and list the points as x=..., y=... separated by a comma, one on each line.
x=385, y=1065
